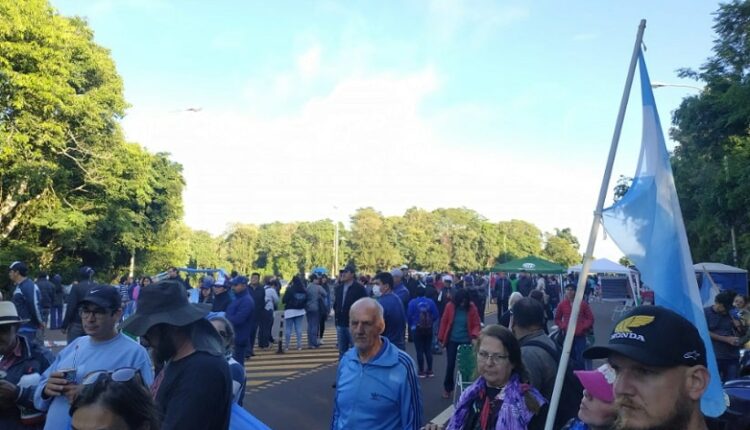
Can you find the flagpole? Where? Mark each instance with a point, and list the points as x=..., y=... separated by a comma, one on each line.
x=587, y=258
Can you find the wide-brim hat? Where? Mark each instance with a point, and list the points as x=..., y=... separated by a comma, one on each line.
x=163, y=303
x=9, y=314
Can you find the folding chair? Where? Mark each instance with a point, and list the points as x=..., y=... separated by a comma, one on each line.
x=466, y=370
x=620, y=310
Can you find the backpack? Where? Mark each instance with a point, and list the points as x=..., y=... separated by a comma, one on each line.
x=572, y=391
x=424, y=323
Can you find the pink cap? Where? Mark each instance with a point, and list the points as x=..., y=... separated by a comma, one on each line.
x=599, y=382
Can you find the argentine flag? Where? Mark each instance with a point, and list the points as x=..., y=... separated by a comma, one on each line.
x=646, y=224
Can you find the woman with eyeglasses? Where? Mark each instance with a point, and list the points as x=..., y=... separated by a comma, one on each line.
x=501, y=397
x=116, y=400
x=226, y=330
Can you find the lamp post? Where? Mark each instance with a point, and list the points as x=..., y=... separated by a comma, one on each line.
x=657, y=84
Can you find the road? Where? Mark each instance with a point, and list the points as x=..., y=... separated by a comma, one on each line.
x=293, y=390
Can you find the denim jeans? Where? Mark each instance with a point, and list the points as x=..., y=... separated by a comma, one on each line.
x=312, y=329
x=576, y=353
x=297, y=323
x=344, y=339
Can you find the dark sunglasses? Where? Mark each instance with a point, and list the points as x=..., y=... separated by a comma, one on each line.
x=123, y=374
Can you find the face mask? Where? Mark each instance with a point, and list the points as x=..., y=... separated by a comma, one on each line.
x=376, y=291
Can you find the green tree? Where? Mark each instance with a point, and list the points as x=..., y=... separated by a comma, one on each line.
x=372, y=243
x=562, y=248
x=519, y=239
x=240, y=247
x=711, y=162
x=71, y=189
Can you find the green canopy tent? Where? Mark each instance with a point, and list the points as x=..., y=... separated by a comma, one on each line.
x=529, y=264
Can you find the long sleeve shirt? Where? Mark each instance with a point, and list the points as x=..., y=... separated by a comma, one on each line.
x=585, y=317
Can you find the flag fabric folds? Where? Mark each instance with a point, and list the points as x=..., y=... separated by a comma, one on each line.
x=646, y=224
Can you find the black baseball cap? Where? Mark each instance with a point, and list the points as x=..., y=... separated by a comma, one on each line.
x=106, y=296
x=654, y=336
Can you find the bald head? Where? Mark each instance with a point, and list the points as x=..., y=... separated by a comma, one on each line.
x=368, y=305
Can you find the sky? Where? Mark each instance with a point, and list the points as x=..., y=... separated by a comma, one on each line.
x=299, y=111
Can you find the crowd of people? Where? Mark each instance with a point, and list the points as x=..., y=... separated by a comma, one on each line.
x=148, y=355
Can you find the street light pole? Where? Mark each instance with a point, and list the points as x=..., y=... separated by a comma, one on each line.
x=657, y=84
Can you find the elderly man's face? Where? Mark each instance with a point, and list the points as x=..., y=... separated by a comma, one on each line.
x=365, y=326
x=651, y=397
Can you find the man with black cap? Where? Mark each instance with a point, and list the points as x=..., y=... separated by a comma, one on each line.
x=102, y=349
x=71, y=325
x=194, y=389
x=660, y=362
x=348, y=291
x=27, y=298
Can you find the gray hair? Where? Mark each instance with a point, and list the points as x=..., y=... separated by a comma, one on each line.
x=516, y=296
x=228, y=339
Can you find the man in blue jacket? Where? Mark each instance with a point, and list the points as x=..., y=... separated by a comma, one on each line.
x=393, y=310
x=377, y=386
x=240, y=314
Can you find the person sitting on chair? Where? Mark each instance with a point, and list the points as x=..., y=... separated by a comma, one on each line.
x=500, y=397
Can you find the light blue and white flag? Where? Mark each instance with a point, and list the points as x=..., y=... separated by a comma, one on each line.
x=646, y=224
x=709, y=289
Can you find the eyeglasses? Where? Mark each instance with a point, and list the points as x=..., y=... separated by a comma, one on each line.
x=123, y=374
x=485, y=357
x=86, y=313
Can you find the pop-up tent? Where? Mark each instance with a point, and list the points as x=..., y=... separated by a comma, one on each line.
x=603, y=265
x=726, y=277
x=529, y=264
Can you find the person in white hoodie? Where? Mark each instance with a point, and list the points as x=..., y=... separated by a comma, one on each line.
x=266, y=318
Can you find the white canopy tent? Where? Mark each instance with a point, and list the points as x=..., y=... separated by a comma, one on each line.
x=603, y=265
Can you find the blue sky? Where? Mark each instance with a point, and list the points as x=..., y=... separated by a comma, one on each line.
x=506, y=107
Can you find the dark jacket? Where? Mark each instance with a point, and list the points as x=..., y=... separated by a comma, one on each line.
x=503, y=289
x=47, y=292
x=341, y=308
x=33, y=362
x=221, y=302
x=288, y=295
x=77, y=293
x=26, y=297
x=525, y=285
x=59, y=293
x=258, y=293
x=240, y=313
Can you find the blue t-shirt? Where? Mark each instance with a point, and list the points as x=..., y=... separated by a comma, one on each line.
x=395, y=319
x=88, y=356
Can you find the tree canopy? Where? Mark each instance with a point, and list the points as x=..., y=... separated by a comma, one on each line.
x=72, y=190
x=712, y=159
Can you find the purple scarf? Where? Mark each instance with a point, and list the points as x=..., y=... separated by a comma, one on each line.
x=513, y=415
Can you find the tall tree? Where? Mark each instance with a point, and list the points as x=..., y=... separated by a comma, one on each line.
x=71, y=188
x=712, y=159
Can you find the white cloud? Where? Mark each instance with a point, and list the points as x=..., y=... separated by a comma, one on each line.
x=308, y=64
x=477, y=18
x=363, y=144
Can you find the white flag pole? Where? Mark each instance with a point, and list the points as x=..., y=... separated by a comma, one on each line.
x=587, y=258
